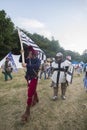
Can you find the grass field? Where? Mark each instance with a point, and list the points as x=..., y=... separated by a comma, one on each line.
x=69, y=114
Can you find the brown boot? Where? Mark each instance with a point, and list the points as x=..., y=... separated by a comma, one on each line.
x=63, y=90
x=25, y=116
x=35, y=100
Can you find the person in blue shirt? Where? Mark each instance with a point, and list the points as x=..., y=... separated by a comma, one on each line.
x=85, y=81
x=32, y=64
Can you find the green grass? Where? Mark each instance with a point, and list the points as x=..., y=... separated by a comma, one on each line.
x=70, y=114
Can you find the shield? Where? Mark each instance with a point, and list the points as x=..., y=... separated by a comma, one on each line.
x=69, y=74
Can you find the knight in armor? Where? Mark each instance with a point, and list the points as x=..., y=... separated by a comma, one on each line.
x=59, y=69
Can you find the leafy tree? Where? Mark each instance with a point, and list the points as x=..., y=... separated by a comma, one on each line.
x=9, y=41
x=75, y=55
x=15, y=40
x=6, y=30
x=84, y=56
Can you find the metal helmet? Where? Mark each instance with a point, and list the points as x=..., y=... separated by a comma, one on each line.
x=59, y=54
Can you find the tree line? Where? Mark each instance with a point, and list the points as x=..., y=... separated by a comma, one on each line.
x=9, y=41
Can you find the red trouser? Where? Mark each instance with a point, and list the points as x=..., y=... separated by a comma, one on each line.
x=32, y=94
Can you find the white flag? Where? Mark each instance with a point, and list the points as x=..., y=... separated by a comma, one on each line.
x=24, y=39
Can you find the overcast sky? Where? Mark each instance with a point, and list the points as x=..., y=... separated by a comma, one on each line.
x=65, y=20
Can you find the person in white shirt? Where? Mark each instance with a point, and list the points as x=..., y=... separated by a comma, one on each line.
x=59, y=76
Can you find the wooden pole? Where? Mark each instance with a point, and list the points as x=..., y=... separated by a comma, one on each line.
x=22, y=49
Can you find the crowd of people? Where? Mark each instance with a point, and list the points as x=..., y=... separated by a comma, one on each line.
x=56, y=70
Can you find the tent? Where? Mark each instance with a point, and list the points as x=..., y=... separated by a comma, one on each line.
x=75, y=62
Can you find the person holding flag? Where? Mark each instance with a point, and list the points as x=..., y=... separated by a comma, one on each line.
x=32, y=64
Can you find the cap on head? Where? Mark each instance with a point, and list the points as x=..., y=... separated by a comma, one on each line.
x=59, y=54
x=30, y=48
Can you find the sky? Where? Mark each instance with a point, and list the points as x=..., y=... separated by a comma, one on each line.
x=65, y=20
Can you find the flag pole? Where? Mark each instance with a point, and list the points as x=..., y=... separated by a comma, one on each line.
x=22, y=49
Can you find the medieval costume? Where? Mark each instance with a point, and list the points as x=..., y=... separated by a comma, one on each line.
x=59, y=67
x=32, y=64
x=7, y=69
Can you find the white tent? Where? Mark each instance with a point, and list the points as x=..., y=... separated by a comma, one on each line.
x=15, y=58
